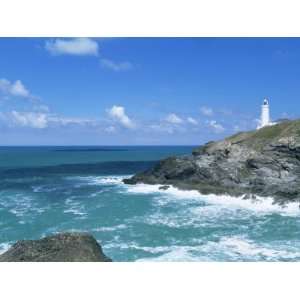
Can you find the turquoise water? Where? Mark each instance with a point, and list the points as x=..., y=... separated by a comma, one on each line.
x=45, y=190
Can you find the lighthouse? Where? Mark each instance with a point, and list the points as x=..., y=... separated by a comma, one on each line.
x=265, y=115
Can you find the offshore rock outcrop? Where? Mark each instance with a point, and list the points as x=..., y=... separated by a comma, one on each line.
x=263, y=163
x=63, y=247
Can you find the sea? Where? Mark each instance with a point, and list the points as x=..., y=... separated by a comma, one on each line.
x=46, y=190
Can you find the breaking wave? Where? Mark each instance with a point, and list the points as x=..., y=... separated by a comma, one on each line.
x=234, y=248
x=99, y=180
x=260, y=204
x=4, y=247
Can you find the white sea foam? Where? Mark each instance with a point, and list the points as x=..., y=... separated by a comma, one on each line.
x=112, y=180
x=22, y=204
x=170, y=253
x=4, y=247
x=142, y=188
x=202, y=216
x=74, y=207
x=234, y=248
x=239, y=248
x=109, y=228
x=135, y=246
x=71, y=200
x=76, y=211
x=177, y=254
x=166, y=221
x=99, y=180
x=43, y=189
x=247, y=248
x=93, y=195
x=263, y=205
x=162, y=253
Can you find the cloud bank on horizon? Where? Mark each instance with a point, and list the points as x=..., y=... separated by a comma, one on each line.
x=89, y=91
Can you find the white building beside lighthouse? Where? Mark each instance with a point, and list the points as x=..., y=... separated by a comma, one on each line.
x=265, y=115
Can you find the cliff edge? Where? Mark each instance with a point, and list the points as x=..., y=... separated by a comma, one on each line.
x=264, y=162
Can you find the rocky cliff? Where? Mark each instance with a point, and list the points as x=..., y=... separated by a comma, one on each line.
x=63, y=247
x=264, y=163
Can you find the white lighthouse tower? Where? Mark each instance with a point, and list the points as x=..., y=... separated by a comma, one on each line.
x=265, y=115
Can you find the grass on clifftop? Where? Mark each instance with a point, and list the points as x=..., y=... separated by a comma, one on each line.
x=271, y=132
x=258, y=138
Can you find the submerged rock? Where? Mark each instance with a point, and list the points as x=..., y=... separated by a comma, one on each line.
x=63, y=247
x=264, y=162
x=164, y=187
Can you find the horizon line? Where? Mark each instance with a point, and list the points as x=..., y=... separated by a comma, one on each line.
x=156, y=145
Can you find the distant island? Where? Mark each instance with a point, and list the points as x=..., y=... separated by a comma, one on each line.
x=264, y=162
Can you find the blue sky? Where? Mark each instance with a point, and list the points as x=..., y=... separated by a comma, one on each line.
x=142, y=91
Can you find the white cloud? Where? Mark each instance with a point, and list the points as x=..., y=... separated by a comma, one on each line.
x=65, y=121
x=174, y=119
x=29, y=119
x=206, y=111
x=41, y=120
x=162, y=128
x=41, y=107
x=110, y=129
x=16, y=88
x=75, y=46
x=192, y=121
x=170, y=125
x=165, y=127
x=4, y=85
x=116, y=66
x=217, y=128
x=117, y=113
x=226, y=112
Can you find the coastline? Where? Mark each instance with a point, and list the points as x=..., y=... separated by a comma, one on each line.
x=263, y=204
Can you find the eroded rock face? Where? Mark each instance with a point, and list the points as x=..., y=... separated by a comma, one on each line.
x=264, y=163
x=63, y=247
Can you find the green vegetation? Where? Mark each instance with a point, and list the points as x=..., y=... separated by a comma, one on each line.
x=258, y=138
x=271, y=132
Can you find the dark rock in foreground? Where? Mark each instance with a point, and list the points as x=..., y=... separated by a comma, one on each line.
x=63, y=247
x=264, y=162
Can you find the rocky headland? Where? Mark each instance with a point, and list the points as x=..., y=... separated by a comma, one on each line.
x=263, y=162
x=63, y=247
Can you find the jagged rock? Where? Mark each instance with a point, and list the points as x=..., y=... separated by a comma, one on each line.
x=164, y=187
x=264, y=162
x=63, y=247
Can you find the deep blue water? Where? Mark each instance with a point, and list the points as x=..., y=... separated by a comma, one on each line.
x=45, y=190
